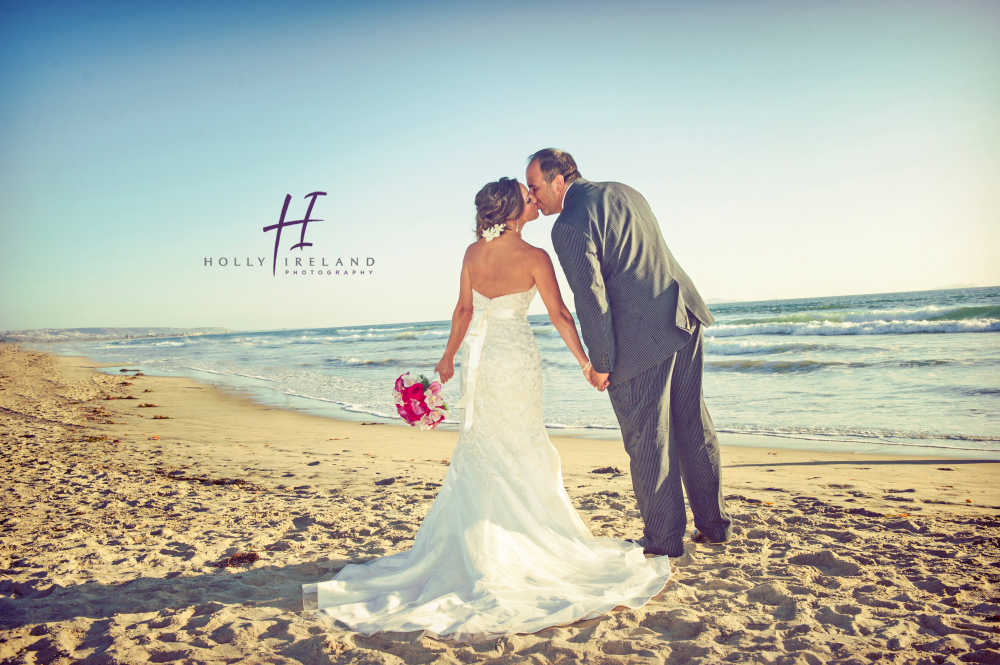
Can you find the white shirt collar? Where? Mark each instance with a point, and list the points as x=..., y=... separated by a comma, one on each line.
x=563, y=204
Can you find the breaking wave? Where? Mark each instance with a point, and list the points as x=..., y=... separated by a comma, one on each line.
x=743, y=348
x=750, y=365
x=891, y=327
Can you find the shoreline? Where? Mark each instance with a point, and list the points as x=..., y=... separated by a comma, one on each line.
x=119, y=530
x=340, y=412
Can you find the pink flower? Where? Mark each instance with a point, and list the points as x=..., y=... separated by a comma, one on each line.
x=433, y=399
x=430, y=421
x=416, y=391
x=418, y=408
x=435, y=417
x=400, y=384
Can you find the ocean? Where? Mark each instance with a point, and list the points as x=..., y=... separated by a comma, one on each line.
x=919, y=370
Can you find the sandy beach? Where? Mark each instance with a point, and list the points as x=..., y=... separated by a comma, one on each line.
x=156, y=519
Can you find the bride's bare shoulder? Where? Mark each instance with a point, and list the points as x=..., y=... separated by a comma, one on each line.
x=472, y=250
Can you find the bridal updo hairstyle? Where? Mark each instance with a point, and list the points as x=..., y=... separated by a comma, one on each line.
x=496, y=203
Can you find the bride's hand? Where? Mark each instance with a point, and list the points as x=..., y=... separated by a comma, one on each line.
x=445, y=369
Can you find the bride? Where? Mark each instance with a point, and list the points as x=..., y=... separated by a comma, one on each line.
x=501, y=550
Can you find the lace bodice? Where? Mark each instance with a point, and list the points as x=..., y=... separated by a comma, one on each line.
x=507, y=420
x=509, y=301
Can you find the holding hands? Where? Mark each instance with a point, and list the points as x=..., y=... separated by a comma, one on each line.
x=595, y=378
x=446, y=370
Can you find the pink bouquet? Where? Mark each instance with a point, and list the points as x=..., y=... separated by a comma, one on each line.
x=419, y=402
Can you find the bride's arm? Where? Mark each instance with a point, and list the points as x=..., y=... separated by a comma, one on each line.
x=460, y=321
x=559, y=314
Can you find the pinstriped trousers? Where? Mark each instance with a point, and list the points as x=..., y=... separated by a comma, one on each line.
x=670, y=439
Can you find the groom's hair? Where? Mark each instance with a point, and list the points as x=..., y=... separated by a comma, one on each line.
x=553, y=162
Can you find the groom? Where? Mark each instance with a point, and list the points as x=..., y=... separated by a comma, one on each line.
x=642, y=322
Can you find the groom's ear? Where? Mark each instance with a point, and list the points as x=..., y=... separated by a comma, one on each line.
x=558, y=183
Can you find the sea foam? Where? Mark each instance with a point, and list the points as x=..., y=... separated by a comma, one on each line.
x=891, y=327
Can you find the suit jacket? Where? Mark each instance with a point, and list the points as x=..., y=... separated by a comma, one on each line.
x=635, y=304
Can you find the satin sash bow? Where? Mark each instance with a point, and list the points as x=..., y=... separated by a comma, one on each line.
x=475, y=339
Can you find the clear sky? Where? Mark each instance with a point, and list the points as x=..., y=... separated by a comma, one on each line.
x=788, y=149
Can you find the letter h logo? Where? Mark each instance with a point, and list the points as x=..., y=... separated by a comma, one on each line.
x=301, y=244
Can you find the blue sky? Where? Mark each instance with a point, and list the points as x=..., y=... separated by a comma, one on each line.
x=788, y=149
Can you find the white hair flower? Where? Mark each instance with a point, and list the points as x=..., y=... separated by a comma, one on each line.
x=494, y=231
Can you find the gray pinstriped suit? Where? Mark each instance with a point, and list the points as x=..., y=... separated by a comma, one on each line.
x=642, y=321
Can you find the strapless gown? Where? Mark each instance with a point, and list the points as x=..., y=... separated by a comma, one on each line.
x=502, y=550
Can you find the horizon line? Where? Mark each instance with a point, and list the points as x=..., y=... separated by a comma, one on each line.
x=229, y=331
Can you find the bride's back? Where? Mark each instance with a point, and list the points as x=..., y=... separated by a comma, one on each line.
x=502, y=266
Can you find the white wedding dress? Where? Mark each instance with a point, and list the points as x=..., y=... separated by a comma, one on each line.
x=501, y=550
